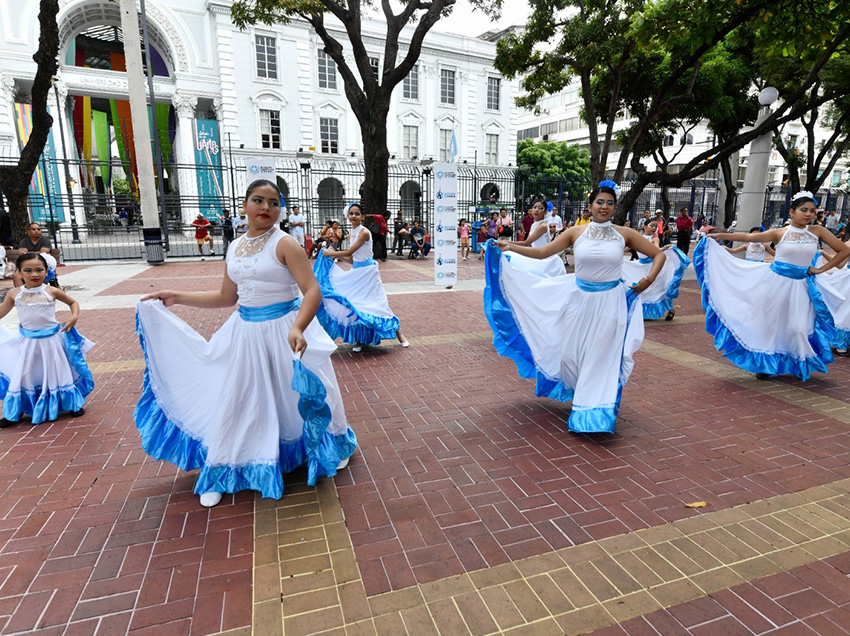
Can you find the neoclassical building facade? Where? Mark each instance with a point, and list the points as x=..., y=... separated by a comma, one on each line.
x=264, y=92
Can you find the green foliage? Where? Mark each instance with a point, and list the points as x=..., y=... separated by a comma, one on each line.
x=554, y=158
x=120, y=186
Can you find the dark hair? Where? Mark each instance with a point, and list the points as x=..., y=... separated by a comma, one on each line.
x=31, y=256
x=355, y=205
x=539, y=198
x=595, y=192
x=796, y=203
x=259, y=183
x=757, y=228
x=36, y=223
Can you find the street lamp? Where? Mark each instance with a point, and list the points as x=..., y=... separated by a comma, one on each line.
x=69, y=182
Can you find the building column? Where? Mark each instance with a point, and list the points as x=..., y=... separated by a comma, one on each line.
x=229, y=112
x=184, y=106
x=7, y=116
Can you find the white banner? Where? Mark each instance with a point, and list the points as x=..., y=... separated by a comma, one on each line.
x=260, y=168
x=444, y=238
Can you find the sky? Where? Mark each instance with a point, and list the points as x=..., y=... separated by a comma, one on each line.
x=465, y=21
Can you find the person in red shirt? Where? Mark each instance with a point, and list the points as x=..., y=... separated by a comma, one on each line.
x=379, y=231
x=202, y=235
x=684, y=225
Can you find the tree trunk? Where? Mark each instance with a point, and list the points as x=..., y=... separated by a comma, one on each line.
x=628, y=199
x=665, y=202
x=17, y=200
x=376, y=157
x=728, y=209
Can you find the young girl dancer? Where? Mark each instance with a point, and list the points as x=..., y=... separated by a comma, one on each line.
x=772, y=319
x=657, y=301
x=604, y=316
x=754, y=251
x=539, y=235
x=244, y=407
x=43, y=370
x=354, y=305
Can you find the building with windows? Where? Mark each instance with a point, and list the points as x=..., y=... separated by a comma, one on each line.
x=223, y=94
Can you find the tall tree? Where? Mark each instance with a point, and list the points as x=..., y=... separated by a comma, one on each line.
x=368, y=95
x=681, y=36
x=554, y=158
x=15, y=180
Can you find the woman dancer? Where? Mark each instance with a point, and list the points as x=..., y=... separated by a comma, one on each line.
x=591, y=366
x=354, y=305
x=754, y=251
x=772, y=319
x=657, y=301
x=539, y=236
x=43, y=370
x=244, y=407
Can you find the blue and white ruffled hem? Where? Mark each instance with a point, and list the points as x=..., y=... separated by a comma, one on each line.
x=44, y=404
x=367, y=329
x=658, y=309
x=841, y=339
x=769, y=363
x=322, y=451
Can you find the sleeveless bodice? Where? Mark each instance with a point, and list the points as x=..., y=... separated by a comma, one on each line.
x=544, y=238
x=36, y=310
x=261, y=279
x=599, y=253
x=798, y=247
x=755, y=252
x=364, y=252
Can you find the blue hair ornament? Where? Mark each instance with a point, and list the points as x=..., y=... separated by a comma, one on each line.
x=609, y=184
x=549, y=206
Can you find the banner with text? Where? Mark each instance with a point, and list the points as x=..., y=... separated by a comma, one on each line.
x=260, y=168
x=444, y=237
x=208, y=167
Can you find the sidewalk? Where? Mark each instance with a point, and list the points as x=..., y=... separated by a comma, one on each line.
x=467, y=509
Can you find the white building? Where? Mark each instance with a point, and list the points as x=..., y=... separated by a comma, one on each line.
x=272, y=91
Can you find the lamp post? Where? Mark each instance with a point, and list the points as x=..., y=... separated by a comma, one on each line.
x=69, y=182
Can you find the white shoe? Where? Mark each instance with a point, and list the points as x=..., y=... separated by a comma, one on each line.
x=405, y=344
x=343, y=463
x=357, y=348
x=210, y=499
x=203, y=259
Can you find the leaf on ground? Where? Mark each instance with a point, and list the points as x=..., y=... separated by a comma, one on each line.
x=696, y=504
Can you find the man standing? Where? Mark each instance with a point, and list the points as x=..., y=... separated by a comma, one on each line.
x=832, y=221
x=296, y=225
x=226, y=229
x=379, y=231
x=398, y=224
x=645, y=219
x=202, y=234
x=684, y=224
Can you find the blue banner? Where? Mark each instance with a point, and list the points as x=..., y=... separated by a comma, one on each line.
x=208, y=167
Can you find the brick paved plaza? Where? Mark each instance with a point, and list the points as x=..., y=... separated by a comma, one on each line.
x=467, y=509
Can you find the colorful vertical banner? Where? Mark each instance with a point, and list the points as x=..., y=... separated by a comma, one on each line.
x=100, y=121
x=208, y=167
x=444, y=238
x=45, y=179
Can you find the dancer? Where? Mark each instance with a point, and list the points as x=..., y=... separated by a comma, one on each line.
x=754, y=251
x=772, y=319
x=354, y=305
x=261, y=397
x=43, y=370
x=657, y=301
x=591, y=366
x=539, y=235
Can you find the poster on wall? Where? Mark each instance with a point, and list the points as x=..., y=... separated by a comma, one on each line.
x=208, y=167
x=444, y=238
x=45, y=180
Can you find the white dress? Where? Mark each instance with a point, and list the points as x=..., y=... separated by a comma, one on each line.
x=354, y=304
x=575, y=334
x=243, y=407
x=43, y=371
x=550, y=266
x=755, y=252
x=658, y=298
x=768, y=318
x=839, y=280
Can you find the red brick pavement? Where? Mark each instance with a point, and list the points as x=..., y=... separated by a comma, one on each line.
x=460, y=467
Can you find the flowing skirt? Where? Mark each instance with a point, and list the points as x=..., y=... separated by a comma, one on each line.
x=354, y=304
x=764, y=322
x=577, y=345
x=43, y=377
x=658, y=298
x=242, y=407
x=839, y=280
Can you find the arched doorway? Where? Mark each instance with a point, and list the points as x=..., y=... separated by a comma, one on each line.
x=283, y=186
x=410, y=197
x=331, y=199
x=490, y=192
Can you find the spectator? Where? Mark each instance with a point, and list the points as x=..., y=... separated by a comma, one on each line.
x=202, y=234
x=527, y=222
x=123, y=217
x=297, y=223
x=555, y=222
x=240, y=225
x=506, y=224
x=322, y=240
x=419, y=246
x=684, y=225
x=379, y=229
x=646, y=219
x=35, y=241
x=226, y=222
x=490, y=228
x=831, y=222
x=405, y=236
x=335, y=236
x=584, y=219
x=398, y=224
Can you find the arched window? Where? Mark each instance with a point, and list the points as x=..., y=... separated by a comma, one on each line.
x=686, y=139
x=668, y=141
x=489, y=192
x=410, y=196
x=331, y=198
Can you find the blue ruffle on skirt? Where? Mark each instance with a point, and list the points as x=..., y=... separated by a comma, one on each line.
x=44, y=404
x=367, y=329
x=507, y=337
x=776, y=363
x=653, y=311
x=841, y=339
x=167, y=440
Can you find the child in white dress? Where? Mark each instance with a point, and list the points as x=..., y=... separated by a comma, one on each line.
x=43, y=370
x=261, y=397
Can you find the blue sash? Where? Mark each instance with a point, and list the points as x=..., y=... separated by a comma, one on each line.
x=366, y=263
x=588, y=286
x=40, y=333
x=269, y=312
x=797, y=272
x=644, y=260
